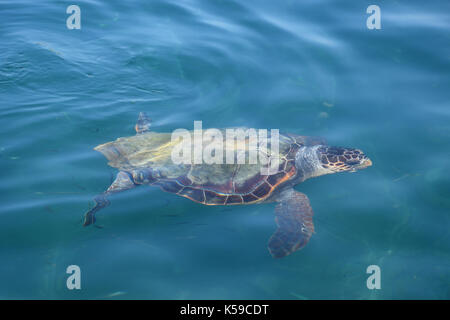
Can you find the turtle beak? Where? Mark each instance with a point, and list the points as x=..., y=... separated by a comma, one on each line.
x=365, y=163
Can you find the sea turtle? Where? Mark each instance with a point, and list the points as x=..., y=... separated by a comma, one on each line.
x=146, y=159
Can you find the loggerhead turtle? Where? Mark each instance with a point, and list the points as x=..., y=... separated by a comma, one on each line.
x=145, y=159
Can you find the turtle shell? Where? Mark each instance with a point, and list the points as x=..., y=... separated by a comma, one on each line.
x=209, y=184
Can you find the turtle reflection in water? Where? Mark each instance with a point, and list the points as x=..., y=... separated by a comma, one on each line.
x=145, y=159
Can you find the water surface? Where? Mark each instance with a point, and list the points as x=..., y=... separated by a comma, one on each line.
x=306, y=67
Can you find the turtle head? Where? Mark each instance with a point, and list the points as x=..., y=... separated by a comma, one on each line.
x=338, y=159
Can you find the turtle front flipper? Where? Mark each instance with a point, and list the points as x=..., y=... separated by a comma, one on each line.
x=123, y=182
x=143, y=123
x=293, y=215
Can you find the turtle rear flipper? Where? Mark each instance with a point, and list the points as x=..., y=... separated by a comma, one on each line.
x=100, y=203
x=123, y=182
x=143, y=123
x=293, y=215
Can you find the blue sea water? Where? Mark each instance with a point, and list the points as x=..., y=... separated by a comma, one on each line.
x=306, y=67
